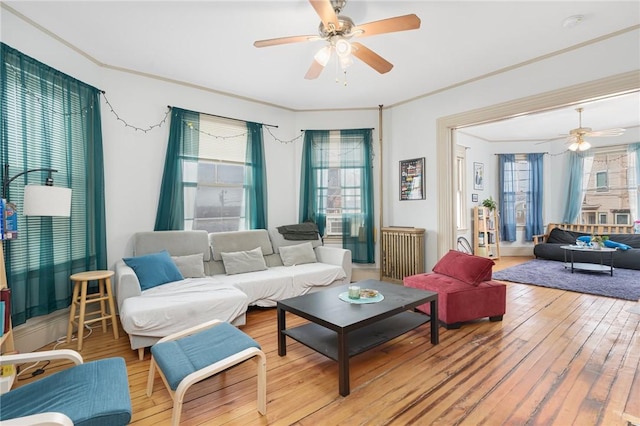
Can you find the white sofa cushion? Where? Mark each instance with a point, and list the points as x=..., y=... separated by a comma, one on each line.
x=310, y=275
x=173, y=307
x=263, y=288
x=298, y=254
x=240, y=262
x=191, y=266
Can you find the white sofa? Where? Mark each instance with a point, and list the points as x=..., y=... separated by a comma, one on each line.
x=148, y=315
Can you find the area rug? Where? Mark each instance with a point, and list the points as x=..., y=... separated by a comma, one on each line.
x=625, y=283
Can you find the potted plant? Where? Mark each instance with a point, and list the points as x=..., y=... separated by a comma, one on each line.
x=489, y=203
x=597, y=241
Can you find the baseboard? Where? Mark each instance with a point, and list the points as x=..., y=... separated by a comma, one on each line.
x=40, y=331
x=516, y=251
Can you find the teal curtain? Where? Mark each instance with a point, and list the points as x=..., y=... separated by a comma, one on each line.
x=315, y=163
x=50, y=120
x=336, y=179
x=508, y=182
x=255, y=179
x=357, y=198
x=575, y=192
x=535, y=195
x=182, y=146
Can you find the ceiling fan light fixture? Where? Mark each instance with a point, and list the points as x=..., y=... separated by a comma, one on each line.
x=323, y=55
x=574, y=146
x=584, y=146
x=345, y=61
x=343, y=48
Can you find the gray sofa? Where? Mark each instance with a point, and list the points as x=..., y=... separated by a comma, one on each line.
x=550, y=249
x=208, y=291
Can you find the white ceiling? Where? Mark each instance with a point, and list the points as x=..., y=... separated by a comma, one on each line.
x=210, y=44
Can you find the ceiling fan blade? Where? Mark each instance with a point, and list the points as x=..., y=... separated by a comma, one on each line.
x=327, y=15
x=314, y=70
x=390, y=25
x=607, y=132
x=371, y=58
x=284, y=40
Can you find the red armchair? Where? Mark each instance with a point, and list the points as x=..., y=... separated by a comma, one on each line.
x=465, y=289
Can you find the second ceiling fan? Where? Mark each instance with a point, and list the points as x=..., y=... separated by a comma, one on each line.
x=338, y=30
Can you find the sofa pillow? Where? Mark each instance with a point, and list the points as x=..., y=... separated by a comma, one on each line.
x=615, y=244
x=560, y=236
x=465, y=267
x=298, y=254
x=154, y=269
x=190, y=266
x=239, y=262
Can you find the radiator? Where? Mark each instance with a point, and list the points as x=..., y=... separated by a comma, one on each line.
x=402, y=253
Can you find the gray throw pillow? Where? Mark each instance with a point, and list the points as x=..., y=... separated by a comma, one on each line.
x=239, y=262
x=298, y=254
x=191, y=266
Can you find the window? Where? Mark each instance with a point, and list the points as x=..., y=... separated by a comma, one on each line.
x=609, y=182
x=214, y=175
x=214, y=182
x=522, y=188
x=461, y=192
x=521, y=195
x=622, y=219
x=602, y=181
x=337, y=188
x=51, y=120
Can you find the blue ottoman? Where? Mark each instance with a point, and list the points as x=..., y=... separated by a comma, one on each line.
x=192, y=355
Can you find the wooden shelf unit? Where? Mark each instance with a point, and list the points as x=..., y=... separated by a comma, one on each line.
x=486, y=240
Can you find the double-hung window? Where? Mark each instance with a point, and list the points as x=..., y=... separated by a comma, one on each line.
x=50, y=120
x=214, y=176
x=214, y=181
x=337, y=188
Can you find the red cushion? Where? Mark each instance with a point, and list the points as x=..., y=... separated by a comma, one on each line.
x=465, y=267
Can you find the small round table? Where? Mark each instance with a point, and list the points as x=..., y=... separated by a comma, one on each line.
x=592, y=267
x=80, y=299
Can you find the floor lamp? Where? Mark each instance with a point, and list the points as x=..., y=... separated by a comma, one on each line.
x=39, y=200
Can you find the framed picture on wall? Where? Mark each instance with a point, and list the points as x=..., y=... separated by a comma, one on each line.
x=478, y=176
x=474, y=198
x=412, y=179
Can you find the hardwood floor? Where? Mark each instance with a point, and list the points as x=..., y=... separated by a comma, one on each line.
x=557, y=358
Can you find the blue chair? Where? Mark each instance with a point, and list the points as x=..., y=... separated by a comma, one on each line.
x=87, y=394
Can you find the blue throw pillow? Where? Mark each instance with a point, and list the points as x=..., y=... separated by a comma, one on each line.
x=613, y=244
x=154, y=269
x=585, y=238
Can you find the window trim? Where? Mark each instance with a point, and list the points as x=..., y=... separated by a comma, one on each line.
x=461, y=188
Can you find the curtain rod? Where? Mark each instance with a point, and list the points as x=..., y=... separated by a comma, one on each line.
x=364, y=128
x=234, y=119
x=521, y=153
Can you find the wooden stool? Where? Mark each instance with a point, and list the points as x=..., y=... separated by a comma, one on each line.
x=104, y=294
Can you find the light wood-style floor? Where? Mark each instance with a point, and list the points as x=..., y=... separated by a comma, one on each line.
x=557, y=358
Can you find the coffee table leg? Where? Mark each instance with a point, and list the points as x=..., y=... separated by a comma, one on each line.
x=343, y=363
x=435, y=329
x=282, y=344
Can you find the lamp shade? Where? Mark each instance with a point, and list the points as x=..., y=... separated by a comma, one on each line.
x=47, y=201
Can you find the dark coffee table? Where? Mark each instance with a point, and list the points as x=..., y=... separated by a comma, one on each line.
x=340, y=330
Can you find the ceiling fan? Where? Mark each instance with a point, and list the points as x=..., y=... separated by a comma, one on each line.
x=338, y=30
x=575, y=138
